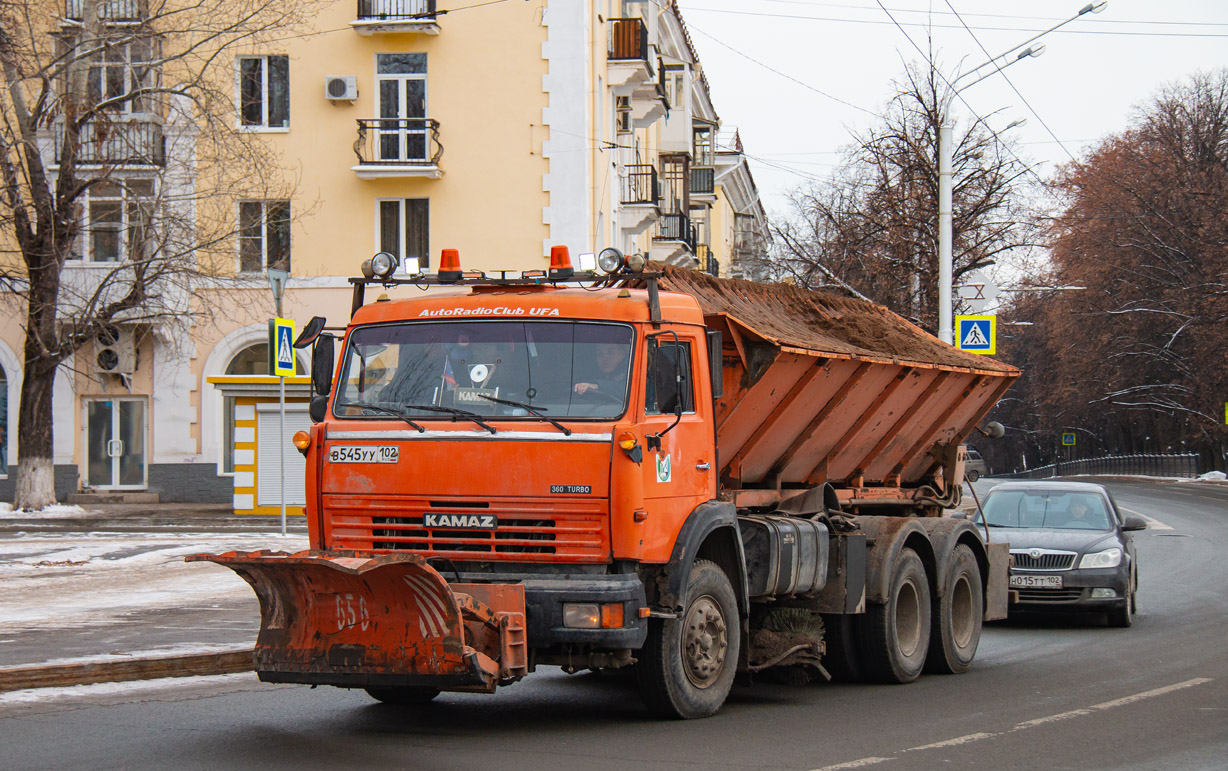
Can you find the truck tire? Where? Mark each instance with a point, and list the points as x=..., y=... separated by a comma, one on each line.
x=843, y=658
x=402, y=697
x=895, y=635
x=687, y=664
x=958, y=615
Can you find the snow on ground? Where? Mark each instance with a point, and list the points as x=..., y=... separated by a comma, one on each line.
x=1214, y=476
x=75, y=579
x=51, y=512
x=126, y=688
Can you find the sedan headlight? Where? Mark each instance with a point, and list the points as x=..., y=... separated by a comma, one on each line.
x=1109, y=558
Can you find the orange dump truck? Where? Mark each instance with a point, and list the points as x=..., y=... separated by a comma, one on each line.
x=698, y=477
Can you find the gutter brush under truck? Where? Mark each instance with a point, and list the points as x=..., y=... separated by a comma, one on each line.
x=640, y=467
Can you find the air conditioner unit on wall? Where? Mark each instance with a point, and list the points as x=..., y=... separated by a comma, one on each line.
x=115, y=351
x=338, y=88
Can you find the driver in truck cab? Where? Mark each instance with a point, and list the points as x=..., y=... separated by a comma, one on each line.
x=610, y=375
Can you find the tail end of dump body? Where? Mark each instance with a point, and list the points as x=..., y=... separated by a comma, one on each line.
x=360, y=620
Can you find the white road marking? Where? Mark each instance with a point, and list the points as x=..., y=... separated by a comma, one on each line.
x=953, y=742
x=1152, y=523
x=976, y=737
x=855, y=764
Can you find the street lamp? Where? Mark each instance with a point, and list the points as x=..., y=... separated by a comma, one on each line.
x=946, y=330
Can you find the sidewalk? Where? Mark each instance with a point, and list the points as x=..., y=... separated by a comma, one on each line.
x=103, y=593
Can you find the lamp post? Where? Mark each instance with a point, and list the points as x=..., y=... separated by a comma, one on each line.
x=946, y=331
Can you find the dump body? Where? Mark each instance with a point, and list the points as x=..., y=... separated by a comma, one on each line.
x=825, y=389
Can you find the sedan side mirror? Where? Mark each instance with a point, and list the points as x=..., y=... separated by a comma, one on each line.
x=1134, y=523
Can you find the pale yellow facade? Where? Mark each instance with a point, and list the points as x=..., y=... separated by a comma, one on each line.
x=498, y=130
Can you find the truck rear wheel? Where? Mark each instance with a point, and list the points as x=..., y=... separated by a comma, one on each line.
x=402, y=697
x=959, y=614
x=687, y=664
x=896, y=634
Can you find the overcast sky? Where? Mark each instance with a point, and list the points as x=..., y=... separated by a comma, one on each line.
x=1084, y=86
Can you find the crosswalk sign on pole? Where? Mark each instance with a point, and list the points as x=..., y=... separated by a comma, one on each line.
x=976, y=334
x=1068, y=439
x=281, y=347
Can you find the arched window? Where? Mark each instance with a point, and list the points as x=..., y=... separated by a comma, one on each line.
x=252, y=360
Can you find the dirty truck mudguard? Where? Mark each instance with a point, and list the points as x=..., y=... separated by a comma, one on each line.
x=359, y=620
x=725, y=549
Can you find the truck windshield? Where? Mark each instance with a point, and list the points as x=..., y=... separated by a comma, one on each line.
x=561, y=369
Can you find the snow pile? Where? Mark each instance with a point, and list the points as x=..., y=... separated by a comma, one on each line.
x=54, y=510
x=1214, y=476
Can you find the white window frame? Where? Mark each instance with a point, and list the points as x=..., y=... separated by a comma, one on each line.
x=402, y=247
x=263, y=126
x=264, y=236
x=84, y=248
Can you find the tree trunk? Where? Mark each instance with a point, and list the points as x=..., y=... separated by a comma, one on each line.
x=36, y=461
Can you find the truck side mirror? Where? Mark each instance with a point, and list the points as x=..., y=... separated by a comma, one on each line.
x=322, y=365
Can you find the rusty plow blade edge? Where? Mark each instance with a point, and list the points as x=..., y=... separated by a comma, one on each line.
x=361, y=620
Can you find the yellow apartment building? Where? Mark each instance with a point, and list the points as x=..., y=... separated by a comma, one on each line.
x=402, y=126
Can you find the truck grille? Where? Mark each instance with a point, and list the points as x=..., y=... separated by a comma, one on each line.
x=528, y=530
x=1044, y=559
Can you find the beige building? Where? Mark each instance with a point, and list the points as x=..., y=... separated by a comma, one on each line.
x=498, y=130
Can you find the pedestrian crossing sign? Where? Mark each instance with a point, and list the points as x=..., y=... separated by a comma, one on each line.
x=281, y=347
x=1068, y=439
x=976, y=334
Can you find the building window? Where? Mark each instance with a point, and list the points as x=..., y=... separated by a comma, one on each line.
x=401, y=80
x=404, y=226
x=264, y=91
x=264, y=235
x=124, y=73
x=117, y=217
x=702, y=145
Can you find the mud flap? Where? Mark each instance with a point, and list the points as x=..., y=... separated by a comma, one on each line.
x=997, y=589
x=360, y=620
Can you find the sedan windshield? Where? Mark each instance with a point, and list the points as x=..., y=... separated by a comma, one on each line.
x=1047, y=508
x=487, y=368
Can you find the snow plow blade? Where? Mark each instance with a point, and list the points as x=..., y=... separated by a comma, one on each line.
x=360, y=620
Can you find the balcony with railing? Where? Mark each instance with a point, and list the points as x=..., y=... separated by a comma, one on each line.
x=398, y=147
x=113, y=11
x=675, y=240
x=632, y=70
x=115, y=143
x=385, y=17
x=640, y=197
x=703, y=180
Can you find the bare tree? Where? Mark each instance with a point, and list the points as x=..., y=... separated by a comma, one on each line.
x=119, y=169
x=872, y=228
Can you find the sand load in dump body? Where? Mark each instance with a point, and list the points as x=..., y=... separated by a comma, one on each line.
x=826, y=389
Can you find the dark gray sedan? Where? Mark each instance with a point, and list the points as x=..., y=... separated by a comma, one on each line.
x=1071, y=547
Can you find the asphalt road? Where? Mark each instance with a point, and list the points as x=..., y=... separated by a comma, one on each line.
x=1047, y=693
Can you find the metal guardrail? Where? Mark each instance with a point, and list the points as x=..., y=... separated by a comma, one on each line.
x=120, y=142
x=641, y=186
x=703, y=180
x=410, y=10
x=1142, y=464
x=108, y=10
x=677, y=227
x=398, y=141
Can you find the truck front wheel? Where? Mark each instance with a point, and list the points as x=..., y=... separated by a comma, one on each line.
x=687, y=664
x=402, y=697
x=896, y=634
x=957, y=627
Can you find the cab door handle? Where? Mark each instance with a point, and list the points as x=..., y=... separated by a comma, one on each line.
x=703, y=466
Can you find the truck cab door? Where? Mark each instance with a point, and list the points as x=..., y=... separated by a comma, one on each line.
x=680, y=473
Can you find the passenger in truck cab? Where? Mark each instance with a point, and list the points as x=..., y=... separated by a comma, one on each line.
x=609, y=377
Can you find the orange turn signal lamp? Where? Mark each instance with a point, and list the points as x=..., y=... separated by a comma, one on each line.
x=302, y=440
x=629, y=445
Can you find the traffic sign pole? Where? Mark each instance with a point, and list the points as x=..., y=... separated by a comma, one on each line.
x=277, y=283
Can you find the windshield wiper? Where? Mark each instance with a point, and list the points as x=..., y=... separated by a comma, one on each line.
x=382, y=411
x=476, y=418
x=532, y=411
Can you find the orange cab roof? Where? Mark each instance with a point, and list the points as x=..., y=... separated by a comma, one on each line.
x=540, y=303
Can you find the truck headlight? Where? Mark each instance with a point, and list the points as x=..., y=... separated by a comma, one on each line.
x=1109, y=558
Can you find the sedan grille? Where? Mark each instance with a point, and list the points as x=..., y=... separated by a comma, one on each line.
x=1050, y=595
x=1042, y=559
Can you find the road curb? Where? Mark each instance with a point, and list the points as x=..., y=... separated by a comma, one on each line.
x=90, y=672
